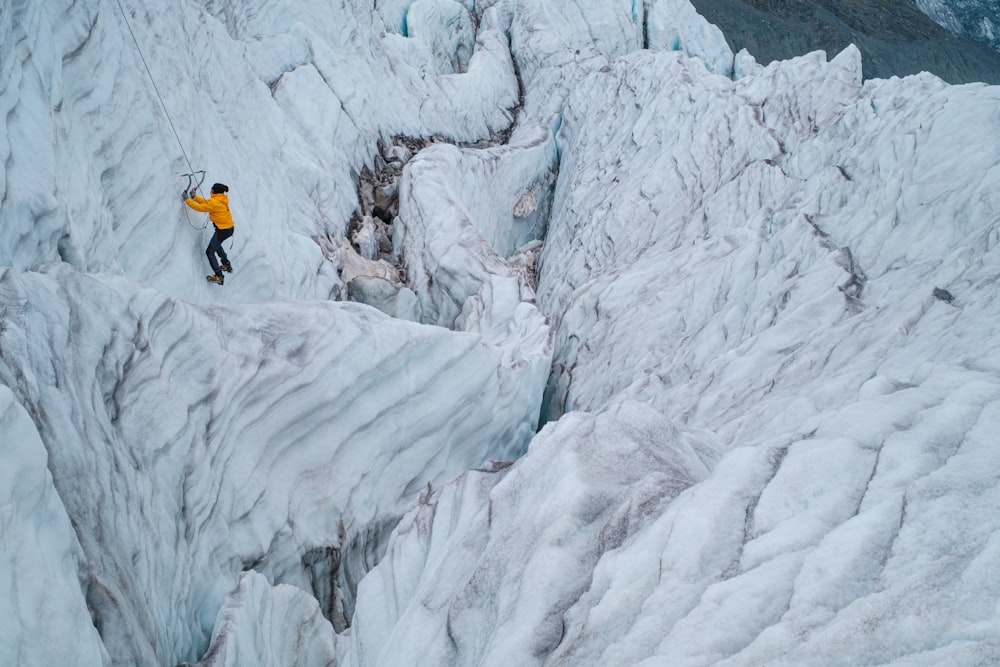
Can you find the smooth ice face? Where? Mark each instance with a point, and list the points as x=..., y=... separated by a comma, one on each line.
x=674, y=25
x=46, y=620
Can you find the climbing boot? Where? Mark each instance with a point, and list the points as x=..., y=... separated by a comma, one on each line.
x=227, y=267
x=216, y=279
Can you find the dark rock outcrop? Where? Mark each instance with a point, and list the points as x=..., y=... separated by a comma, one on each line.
x=894, y=36
x=976, y=20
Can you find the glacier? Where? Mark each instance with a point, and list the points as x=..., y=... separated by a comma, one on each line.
x=559, y=334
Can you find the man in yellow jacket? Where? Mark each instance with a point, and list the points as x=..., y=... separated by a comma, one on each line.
x=217, y=208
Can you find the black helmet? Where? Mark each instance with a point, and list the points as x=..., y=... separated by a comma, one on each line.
x=220, y=188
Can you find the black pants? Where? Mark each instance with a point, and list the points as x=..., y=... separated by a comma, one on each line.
x=215, y=248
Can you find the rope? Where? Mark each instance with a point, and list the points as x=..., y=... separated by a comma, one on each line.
x=153, y=81
x=187, y=216
x=166, y=113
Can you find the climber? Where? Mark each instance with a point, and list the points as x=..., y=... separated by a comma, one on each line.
x=218, y=212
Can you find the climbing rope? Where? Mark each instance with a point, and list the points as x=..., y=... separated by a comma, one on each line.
x=153, y=81
x=166, y=113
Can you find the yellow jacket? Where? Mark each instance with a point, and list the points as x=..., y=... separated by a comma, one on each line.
x=217, y=208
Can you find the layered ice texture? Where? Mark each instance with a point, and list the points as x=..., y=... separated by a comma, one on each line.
x=681, y=359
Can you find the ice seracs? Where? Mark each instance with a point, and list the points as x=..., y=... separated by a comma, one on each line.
x=762, y=273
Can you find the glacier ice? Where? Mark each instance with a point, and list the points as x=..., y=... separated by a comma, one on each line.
x=155, y=480
x=238, y=640
x=779, y=304
x=663, y=374
x=46, y=617
x=267, y=421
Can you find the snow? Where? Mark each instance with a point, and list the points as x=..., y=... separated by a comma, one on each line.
x=679, y=359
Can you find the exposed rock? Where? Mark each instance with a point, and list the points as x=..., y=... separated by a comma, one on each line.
x=895, y=38
x=978, y=20
x=526, y=205
x=943, y=295
x=524, y=263
x=370, y=230
x=366, y=191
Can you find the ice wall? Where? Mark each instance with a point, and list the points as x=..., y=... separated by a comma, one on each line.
x=278, y=102
x=188, y=456
x=217, y=440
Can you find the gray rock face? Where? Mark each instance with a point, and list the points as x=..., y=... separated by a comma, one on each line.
x=978, y=20
x=894, y=36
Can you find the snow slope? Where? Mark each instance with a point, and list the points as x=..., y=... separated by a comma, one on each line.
x=749, y=308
